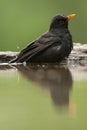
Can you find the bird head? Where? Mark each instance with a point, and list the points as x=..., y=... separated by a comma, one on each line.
x=60, y=21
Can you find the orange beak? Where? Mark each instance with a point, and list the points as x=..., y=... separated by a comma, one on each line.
x=69, y=17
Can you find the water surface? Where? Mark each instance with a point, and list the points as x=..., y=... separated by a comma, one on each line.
x=39, y=97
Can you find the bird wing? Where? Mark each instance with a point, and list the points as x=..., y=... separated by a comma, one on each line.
x=45, y=41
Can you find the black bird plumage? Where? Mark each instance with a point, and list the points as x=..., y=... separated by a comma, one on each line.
x=53, y=46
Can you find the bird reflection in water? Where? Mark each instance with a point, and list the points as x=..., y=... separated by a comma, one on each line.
x=56, y=78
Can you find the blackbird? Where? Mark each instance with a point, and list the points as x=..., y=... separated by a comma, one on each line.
x=53, y=46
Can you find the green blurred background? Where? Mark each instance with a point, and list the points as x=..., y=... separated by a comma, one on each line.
x=22, y=21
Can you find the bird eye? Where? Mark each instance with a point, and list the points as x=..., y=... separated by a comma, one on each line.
x=61, y=22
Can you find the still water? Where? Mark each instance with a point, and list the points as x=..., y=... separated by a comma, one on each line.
x=43, y=97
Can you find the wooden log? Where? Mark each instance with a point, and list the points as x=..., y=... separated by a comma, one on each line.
x=5, y=57
x=78, y=54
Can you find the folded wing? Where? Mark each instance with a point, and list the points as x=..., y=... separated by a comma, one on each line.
x=42, y=43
